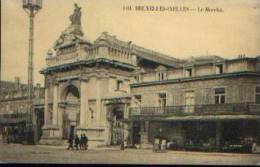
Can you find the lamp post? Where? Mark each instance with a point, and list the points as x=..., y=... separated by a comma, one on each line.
x=31, y=7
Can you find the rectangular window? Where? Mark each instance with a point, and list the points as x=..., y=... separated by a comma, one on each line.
x=162, y=100
x=188, y=72
x=219, y=69
x=257, y=95
x=119, y=85
x=161, y=76
x=220, y=97
x=138, y=98
x=137, y=78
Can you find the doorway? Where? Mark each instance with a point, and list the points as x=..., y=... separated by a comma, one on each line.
x=189, y=101
x=71, y=115
x=136, y=133
x=117, y=126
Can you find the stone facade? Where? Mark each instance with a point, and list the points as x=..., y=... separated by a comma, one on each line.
x=91, y=88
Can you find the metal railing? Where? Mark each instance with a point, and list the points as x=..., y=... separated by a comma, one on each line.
x=210, y=109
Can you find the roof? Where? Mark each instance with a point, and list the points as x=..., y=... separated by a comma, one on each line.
x=140, y=51
x=9, y=85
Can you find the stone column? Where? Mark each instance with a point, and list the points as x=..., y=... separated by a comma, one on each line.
x=144, y=134
x=46, y=107
x=60, y=119
x=55, y=105
x=98, y=111
x=218, y=134
x=83, y=103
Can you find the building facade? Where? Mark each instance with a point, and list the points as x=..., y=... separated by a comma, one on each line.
x=116, y=91
x=87, y=85
x=13, y=110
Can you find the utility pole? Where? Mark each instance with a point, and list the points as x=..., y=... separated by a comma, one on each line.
x=31, y=7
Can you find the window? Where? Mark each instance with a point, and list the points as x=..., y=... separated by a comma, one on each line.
x=137, y=78
x=119, y=84
x=162, y=100
x=188, y=72
x=138, y=98
x=257, y=95
x=161, y=76
x=220, y=96
x=219, y=69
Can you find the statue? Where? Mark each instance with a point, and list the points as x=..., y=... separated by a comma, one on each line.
x=73, y=30
x=75, y=18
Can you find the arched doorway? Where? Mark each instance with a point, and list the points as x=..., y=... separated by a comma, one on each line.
x=71, y=115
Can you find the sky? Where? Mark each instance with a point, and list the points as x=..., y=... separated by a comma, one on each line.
x=229, y=33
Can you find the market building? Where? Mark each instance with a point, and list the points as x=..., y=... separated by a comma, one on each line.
x=116, y=91
x=14, y=112
x=209, y=103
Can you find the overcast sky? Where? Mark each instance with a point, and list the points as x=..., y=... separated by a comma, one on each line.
x=179, y=34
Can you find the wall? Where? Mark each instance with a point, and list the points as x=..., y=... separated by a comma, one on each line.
x=238, y=90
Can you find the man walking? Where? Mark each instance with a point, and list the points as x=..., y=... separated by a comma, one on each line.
x=70, y=141
x=81, y=143
x=85, y=140
x=76, y=142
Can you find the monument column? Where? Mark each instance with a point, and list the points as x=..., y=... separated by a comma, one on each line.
x=55, y=105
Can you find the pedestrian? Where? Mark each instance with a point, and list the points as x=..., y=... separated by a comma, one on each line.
x=76, y=141
x=85, y=141
x=81, y=143
x=70, y=141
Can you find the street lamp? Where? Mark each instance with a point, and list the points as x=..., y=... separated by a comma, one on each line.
x=31, y=7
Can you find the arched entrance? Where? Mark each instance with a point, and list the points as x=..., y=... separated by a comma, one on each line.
x=71, y=115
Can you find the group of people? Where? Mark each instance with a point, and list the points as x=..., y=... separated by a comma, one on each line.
x=79, y=143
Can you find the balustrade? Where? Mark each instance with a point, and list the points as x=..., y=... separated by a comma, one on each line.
x=90, y=54
x=210, y=109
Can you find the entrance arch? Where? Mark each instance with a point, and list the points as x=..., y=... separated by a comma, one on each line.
x=71, y=115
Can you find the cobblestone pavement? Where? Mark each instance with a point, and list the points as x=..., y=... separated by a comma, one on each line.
x=15, y=153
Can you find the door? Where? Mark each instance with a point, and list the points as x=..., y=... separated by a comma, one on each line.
x=117, y=127
x=136, y=133
x=72, y=127
x=189, y=102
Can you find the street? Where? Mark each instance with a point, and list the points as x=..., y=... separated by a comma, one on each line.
x=16, y=153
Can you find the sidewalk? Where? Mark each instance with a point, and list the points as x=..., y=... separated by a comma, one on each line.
x=117, y=148
x=89, y=148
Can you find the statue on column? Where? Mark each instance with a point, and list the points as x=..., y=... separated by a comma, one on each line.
x=73, y=30
x=75, y=18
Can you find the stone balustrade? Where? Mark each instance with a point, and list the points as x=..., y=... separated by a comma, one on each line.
x=92, y=53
